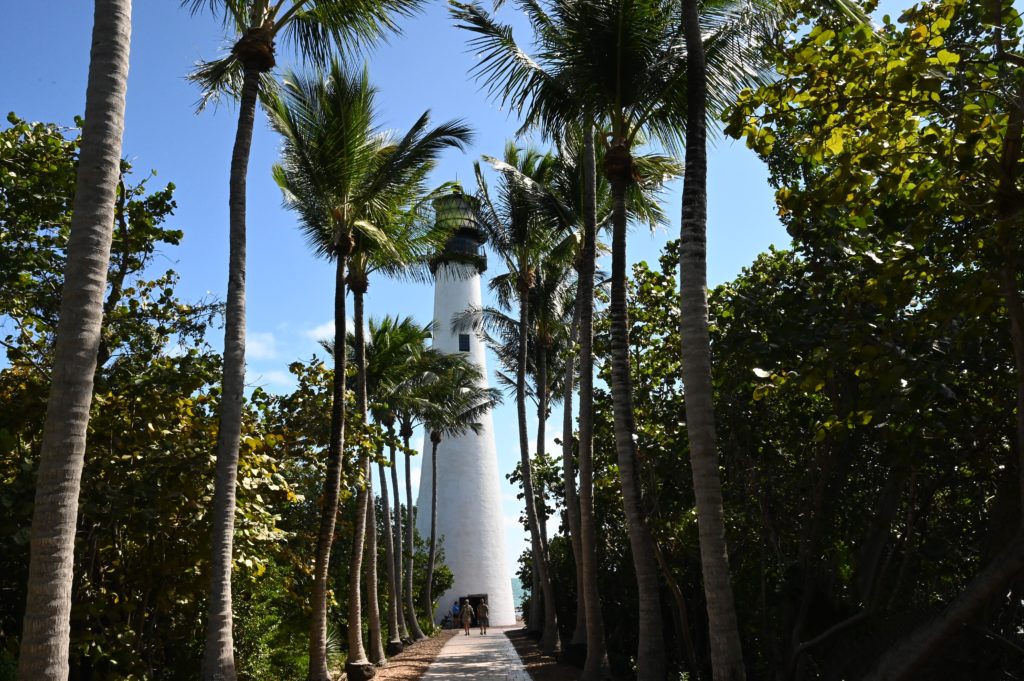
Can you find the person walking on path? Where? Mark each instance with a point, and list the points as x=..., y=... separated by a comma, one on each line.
x=481, y=616
x=467, y=616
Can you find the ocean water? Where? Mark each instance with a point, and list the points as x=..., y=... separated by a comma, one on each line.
x=518, y=593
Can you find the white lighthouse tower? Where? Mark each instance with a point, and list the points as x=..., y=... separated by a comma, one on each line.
x=469, y=513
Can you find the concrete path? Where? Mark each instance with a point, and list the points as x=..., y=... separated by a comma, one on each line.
x=477, y=658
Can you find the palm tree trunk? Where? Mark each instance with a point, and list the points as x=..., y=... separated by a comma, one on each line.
x=46, y=634
x=596, y=666
x=376, y=652
x=410, y=606
x=399, y=549
x=651, y=649
x=572, y=506
x=318, y=670
x=723, y=629
x=549, y=639
x=218, y=657
x=357, y=668
x=428, y=597
x=550, y=614
x=395, y=638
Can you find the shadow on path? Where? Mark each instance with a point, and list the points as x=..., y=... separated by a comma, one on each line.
x=478, y=658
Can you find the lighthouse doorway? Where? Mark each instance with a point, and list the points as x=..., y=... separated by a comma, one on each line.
x=474, y=600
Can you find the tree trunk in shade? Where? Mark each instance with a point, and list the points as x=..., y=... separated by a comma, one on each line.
x=650, y=659
x=572, y=504
x=596, y=666
x=723, y=629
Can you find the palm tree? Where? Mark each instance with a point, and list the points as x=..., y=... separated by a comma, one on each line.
x=455, y=398
x=353, y=184
x=519, y=239
x=412, y=406
x=400, y=247
x=392, y=351
x=558, y=305
x=314, y=27
x=47, y=625
x=723, y=629
x=622, y=62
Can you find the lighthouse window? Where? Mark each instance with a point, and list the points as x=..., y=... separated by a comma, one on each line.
x=463, y=342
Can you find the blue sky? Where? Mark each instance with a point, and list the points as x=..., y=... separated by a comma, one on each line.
x=44, y=49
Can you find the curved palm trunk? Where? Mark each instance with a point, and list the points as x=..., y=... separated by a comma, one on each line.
x=572, y=506
x=46, y=634
x=596, y=666
x=428, y=597
x=410, y=606
x=218, y=657
x=550, y=615
x=358, y=668
x=723, y=629
x=399, y=549
x=395, y=638
x=318, y=670
x=549, y=639
x=650, y=662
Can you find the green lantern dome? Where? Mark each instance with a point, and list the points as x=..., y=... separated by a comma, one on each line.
x=456, y=214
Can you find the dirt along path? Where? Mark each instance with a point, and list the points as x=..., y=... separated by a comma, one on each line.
x=411, y=663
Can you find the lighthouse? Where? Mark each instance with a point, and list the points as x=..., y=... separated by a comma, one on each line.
x=469, y=516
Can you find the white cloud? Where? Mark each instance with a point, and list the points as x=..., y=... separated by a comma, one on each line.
x=260, y=345
x=321, y=332
x=325, y=331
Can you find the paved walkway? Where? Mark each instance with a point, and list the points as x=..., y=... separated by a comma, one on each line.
x=478, y=658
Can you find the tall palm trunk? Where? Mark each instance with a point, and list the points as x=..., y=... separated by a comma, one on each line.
x=47, y=625
x=318, y=670
x=596, y=666
x=572, y=506
x=428, y=597
x=394, y=637
x=357, y=667
x=650, y=661
x=549, y=638
x=410, y=606
x=399, y=548
x=723, y=630
x=376, y=651
x=218, y=658
x=550, y=613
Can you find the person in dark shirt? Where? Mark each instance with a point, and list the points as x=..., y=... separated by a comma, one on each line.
x=481, y=616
